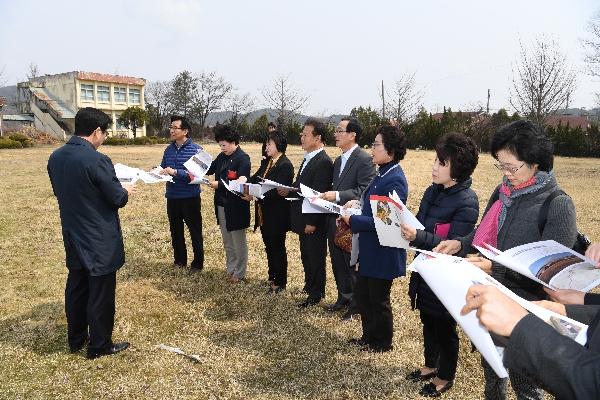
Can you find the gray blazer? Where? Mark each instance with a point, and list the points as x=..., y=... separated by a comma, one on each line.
x=357, y=174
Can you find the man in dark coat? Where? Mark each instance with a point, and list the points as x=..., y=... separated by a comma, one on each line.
x=352, y=172
x=89, y=196
x=315, y=172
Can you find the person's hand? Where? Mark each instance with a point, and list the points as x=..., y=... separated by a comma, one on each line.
x=329, y=196
x=167, y=171
x=247, y=197
x=496, y=312
x=482, y=263
x=593, y=253
x=214, y=185
x=242, y=179
x=131, y=188
x=448, y=247
x=283, y=192
x=310, y=229
x=565, y=296
x=351, y=203
x=408, y=232
x=346, y=218
x=552, y=306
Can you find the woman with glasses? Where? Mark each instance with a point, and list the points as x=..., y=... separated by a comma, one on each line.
x=449, y=209
x=524, y=155
x=378, y=265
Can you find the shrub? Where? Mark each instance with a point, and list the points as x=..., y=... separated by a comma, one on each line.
x=24, y=140
x=117, y=141
x=142, y=140
x=10, y=144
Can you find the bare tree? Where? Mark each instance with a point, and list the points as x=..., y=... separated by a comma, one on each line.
x=402, y=104
x=158, y=106
x=33, y=72
x=240, y=107
x=2, y=79
x=211, y=94
x=542, y=80
x=592, y=44
x=284, y=99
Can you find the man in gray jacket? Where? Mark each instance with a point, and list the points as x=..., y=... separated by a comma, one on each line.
x=352, y=172
x=89, y=197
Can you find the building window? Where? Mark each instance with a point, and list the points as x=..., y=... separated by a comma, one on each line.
x=103, y=93
x=120, y=95
x=134, y=96
x=118, y=126
x=87, y=92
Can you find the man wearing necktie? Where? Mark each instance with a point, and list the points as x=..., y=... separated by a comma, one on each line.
x=315, y=172
x=353, y=170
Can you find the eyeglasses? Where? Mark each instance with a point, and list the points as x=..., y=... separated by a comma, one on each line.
x=175, y=127
x=511, y=170
x=339, y=131
x=374, y=145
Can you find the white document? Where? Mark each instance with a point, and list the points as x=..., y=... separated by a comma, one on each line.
x=549, y=263
x=252, y=189
x=312, y=204
x=268, y=184
x=154, y=176
x=126, y=174
x=450, y=280
x=197, y=165
x=389, y=214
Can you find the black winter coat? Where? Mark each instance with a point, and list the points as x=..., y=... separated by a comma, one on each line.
x=457, y=205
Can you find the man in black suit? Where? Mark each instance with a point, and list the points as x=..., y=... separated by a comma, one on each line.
x=89, y=197
x=352, y=172
x=315, y=172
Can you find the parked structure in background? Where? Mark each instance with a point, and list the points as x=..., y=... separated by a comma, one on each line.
x=53, y=100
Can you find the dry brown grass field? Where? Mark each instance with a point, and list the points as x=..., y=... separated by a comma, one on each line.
x=250, y=345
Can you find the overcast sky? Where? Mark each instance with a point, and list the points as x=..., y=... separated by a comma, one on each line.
x=337, y=51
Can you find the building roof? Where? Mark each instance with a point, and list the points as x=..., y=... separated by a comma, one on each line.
x=572, y=120
x=94, y=76
x=18, y=117
x=57, y=107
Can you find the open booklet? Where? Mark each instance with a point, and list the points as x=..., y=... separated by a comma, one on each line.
x=450, y=278
x=127, y=174
x=197, y=166
x=549, y=263
x=256, y=190
x=312, y=204
x=389, y=213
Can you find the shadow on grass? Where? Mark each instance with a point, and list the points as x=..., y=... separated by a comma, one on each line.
x=43, y=330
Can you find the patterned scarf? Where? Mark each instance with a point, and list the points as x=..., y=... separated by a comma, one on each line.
x=492, y=221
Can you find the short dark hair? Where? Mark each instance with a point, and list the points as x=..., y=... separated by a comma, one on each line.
x=89, y=119
x=527, y=141
x=185, y=124
x=279, y=138
x=319, y=127
x=227, y=133
x=355, y=126
x=271, y=125
x=394, y=141
x=462, y=153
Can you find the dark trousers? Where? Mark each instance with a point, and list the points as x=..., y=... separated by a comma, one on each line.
x=186, y=211
x=441, y=345
x=373, y=297
x=313, y=251
x=90, y=303
x=276, y=258
x=345, y=275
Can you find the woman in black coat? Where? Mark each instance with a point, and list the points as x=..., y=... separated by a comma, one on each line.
x=273, y=211
x=449, y=209
x=233, y=213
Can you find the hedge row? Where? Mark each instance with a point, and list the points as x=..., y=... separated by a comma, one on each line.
x=116, y=141
x=15, y=141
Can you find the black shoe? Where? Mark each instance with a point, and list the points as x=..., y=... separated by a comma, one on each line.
x=376, y=349
x=416, y=376
x=108, y=351
x=308, y=302
x=267, y=283
x=429, y=390
x=177, y=266
x=194, y=271
x=349, y=317
x=300, y=292
x=275, y=291
x=358, y=342
x=335, y=307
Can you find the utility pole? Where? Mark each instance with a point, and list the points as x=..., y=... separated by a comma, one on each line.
x=488, y=103
x=383, y=100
